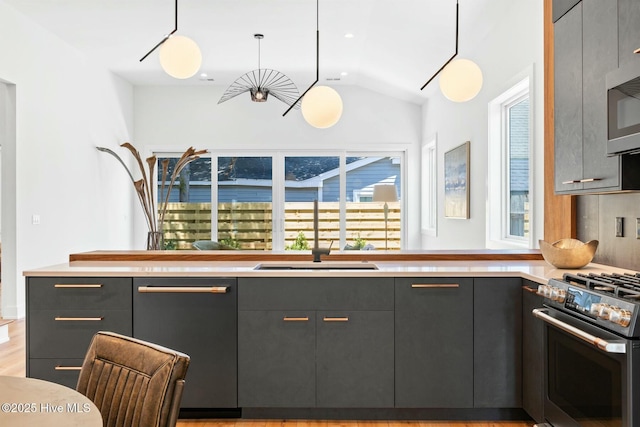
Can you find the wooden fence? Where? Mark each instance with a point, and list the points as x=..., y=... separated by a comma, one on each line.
x=249, y=226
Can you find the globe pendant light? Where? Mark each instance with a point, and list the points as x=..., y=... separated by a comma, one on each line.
x=461, y=80
x=180, y=57
x=322, y=107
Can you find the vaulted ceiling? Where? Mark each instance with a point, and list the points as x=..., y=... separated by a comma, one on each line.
x=396, y=45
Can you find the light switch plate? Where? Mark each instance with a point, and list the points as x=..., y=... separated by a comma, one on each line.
x=619, y=226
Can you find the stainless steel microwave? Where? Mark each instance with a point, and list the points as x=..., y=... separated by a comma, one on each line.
x=623, y=110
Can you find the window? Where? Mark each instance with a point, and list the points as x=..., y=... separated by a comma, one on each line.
x=265, y=201
x=509, y=168
x=429, y=202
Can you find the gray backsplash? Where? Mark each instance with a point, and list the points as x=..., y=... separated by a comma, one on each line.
x=596, y=219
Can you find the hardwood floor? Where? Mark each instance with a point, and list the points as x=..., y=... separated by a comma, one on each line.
x=12, y=362
x=12, y=353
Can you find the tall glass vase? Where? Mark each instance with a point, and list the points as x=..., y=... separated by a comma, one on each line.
x=155, y=241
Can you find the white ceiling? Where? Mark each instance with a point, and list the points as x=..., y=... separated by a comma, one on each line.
x=398, y=44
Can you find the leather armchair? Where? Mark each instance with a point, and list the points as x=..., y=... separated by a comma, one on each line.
x=133, y=382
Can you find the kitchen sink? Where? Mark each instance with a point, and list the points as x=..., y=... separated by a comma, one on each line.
x=324, y=265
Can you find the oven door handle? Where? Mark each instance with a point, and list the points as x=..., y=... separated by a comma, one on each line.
x=604, y=345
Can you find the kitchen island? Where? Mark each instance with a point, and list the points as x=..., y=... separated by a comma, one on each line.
x=282, y=338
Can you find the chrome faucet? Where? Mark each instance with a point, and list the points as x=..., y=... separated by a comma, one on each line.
x=317, y=251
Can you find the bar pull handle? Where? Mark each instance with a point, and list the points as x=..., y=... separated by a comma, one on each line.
x=531, y=290
x=78, y=319
x=434, y=285
x=573, y=181
x=68, y=368
x=295, y=319
x=335, y=319
x=78, y=285
x=183, y=289
x=590, y=179
x=604, y=345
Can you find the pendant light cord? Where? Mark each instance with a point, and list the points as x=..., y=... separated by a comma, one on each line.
x=454, y=55
x=166, y=37
x=317, y=60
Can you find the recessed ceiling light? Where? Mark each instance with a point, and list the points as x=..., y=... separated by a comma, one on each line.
x=344, y=73
x=203, y=75
x=349, y=36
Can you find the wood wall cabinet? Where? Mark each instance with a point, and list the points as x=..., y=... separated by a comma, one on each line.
x=434, y=342
x=315, y=342
x=63, y=314
x=497, y=337
x=532, y=353
x=586, y=49
x=197, y=316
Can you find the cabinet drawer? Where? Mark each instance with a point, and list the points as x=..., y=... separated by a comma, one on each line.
x=112, y=293
x=69, y=336
x=61, y=371
x=315, y=293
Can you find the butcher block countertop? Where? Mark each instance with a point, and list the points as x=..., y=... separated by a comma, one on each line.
x=215, y=264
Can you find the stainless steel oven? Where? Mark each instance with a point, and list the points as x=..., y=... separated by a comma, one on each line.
x=592, y=354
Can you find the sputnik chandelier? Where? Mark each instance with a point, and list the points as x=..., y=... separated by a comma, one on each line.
x=261, y=83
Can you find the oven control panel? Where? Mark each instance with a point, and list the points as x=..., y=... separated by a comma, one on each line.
x=608, y=310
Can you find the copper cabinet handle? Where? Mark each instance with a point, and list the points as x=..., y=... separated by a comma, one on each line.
x=68, y=368
x=295, y=319
x=590, y=179
x=79, y=319
x=183, y=289
x=78, y=285
x=573, y=181
x=335, y=319
x=528, y=289
x=434, y=285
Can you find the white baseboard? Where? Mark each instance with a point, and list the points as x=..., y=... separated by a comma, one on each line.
x=4, y=333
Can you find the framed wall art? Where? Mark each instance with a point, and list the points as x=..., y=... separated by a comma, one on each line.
x=456, y=182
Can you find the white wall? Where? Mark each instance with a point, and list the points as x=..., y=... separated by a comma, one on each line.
x=63, y=105
x=179, y=117
x=508, y=50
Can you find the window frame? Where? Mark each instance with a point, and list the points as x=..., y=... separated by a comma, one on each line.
x=278, y=186
x=429, y=186
x=498, y=173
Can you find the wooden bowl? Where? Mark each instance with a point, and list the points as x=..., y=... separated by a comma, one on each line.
x=568, y=253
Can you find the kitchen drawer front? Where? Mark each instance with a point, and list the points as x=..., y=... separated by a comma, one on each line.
x=61, y=371
x=113, y=293
x=70, y=335
x=315, y=293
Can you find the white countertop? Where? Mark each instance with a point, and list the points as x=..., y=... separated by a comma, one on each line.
x=537, y=271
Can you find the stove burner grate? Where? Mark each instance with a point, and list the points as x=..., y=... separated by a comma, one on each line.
x=625, y=285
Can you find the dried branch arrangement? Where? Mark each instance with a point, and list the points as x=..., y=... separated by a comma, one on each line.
x=144, y=185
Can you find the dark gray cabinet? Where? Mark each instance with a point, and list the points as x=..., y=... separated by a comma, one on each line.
x=315, y=342
x=63, y=314
x=533, y=353
x=628, y=32
x=276, y=358
x=560, y=7
x=497, y=333
x=197, y=316
x=585, y=50
x=434, y=342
